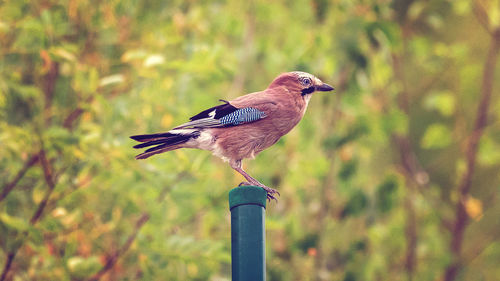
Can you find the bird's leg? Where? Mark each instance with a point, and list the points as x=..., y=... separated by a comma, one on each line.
x=236, y=165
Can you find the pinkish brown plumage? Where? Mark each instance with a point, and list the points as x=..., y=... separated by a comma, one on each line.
x=243, y=127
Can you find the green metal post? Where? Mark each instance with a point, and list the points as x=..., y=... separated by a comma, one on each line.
x=248, y=238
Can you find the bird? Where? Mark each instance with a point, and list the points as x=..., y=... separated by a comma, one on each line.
x=243, y=127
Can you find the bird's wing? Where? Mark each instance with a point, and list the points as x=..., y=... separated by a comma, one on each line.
x=224, y=115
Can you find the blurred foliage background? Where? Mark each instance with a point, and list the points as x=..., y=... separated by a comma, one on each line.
x=395, y=176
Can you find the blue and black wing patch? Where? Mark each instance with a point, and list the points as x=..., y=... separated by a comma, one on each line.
x=240, y=116
x=224, y=115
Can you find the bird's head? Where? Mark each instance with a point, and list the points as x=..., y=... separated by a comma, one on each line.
x=300, y=82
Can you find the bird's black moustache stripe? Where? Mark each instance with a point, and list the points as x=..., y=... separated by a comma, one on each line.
x=308, y=90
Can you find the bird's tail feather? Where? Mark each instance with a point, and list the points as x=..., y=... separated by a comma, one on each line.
x=163, y=142
x=150, y=137
x=155, y=150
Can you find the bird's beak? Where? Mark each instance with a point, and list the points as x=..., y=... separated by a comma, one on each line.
x=324, y=87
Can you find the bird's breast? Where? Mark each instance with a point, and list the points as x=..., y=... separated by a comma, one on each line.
x=289, y=114
x=244, y=141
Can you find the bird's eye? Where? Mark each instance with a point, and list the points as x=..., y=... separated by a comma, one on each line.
x=306, y=81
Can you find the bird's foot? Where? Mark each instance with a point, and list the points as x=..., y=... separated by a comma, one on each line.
x=271, y=197
x=271, y=192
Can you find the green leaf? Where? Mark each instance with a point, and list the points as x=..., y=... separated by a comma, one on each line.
x=60, y=136
x=14, y=222
x=348, y=169
x=396, y=121
x=349, y=276
x=443, y=102
x=489, y=151
x=386, y=195
x=83, y=267
x=356, y=204
x=86, y=82
x=436, y=136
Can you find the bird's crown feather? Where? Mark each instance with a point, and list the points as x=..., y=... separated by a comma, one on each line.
x=297, y=80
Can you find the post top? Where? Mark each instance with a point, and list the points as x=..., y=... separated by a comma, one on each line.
x=247, y=195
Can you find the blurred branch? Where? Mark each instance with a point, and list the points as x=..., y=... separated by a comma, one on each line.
x=399, y=73
x=113, y=258
x=465, y=184
x=70, y=119
x=8, y=263
x=49, y=179
x=411, y=235
x=50, y=80
x=481, y=15
x=409, y=162
x=32, y=160
x=73, y=115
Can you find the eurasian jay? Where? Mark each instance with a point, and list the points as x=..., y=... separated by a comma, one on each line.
x=243, y=127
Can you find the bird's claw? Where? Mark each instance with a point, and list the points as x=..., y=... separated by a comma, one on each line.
x=271, y=197
x=270, y=191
